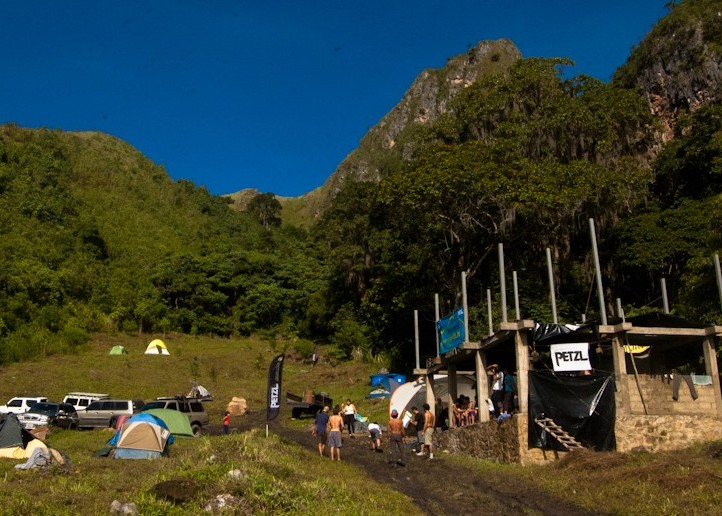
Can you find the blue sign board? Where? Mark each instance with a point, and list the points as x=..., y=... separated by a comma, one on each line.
x=451, y=331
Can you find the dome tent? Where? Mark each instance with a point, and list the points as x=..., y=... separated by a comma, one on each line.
x=118, y=350
x=143, y=436
x=157, y=347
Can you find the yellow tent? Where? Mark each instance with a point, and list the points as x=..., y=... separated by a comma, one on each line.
x=157, y=347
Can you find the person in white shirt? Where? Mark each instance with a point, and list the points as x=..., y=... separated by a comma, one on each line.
x=375, y=434
x=349, y=417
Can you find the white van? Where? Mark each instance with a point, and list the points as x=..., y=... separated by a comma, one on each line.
x=20, y=404
x=81, y=400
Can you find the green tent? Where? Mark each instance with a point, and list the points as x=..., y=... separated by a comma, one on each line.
x=176, y=421
x=118, y=350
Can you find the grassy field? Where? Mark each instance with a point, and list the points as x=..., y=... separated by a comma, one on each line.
x=276, y=475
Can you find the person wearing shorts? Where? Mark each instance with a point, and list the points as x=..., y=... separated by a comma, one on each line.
x=429, y=423
x=396, y=431
x=335, y=425
x=320, y=430
x=375, y=435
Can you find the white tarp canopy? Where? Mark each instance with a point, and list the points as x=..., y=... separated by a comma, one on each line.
x=413, y=394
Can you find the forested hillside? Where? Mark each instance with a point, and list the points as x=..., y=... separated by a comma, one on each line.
x=97, y=238
x=494, y=148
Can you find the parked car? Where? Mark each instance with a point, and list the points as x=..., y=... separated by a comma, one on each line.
x=105, y=413
x=192, y=407
x=20, y=404
x=81, y=400
x=47, y=413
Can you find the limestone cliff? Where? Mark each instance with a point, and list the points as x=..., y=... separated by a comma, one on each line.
x=426, y=99
x=678, y=66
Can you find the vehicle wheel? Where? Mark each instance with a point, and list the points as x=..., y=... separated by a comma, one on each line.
x=73, y=426
x=196, y=429
x=113, y=422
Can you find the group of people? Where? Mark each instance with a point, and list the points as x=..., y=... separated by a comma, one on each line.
x=503, y=390
x=327, y=429
x=464, y=410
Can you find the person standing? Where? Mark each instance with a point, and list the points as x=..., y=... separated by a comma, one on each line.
x=509, y=391
x=226, y=422
x=349, y=417
x=320, y=429
x=428, y=431
x=335, y=425
x=419, y=425
x=395, y=427
x=497, y=387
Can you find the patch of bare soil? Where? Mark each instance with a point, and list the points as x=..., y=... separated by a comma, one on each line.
x=437, y=486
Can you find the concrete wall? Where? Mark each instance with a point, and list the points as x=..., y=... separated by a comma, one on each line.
x=657, y=396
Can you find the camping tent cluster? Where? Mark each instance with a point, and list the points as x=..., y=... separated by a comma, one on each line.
x=155, y=347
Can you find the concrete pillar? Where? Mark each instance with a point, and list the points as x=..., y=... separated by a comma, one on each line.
x=430, y=396
x=710, y=364
x=522, y=369
x=482, y=387
x=620, y=376
x=452, y=394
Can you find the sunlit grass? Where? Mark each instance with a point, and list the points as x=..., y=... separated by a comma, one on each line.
x=276, y=476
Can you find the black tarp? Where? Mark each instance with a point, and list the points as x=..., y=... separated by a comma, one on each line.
x=582, y=405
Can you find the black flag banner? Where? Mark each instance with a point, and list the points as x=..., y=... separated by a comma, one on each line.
x=274, y=387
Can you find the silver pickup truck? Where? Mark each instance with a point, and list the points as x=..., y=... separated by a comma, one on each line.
x=193, y=408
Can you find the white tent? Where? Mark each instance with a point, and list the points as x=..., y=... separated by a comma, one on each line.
x=157, y=347
x=413, y=394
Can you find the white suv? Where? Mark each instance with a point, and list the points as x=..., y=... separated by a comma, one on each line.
x=81, y=400
x=21, y=404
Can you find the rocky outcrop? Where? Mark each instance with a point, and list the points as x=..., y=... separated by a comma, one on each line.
x=427, y=99
x=677, y=67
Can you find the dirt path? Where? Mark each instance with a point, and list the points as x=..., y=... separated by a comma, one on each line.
x=438, y=487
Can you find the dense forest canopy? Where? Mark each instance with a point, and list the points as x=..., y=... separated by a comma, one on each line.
x=95, y=237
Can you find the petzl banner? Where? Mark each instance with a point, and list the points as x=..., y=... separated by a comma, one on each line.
x=571, y=357
x=451, y=331
x=274, y=387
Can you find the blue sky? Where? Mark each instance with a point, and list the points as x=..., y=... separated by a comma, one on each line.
x=269, y=94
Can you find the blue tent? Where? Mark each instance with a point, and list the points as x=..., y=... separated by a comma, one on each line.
x=143, y=436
